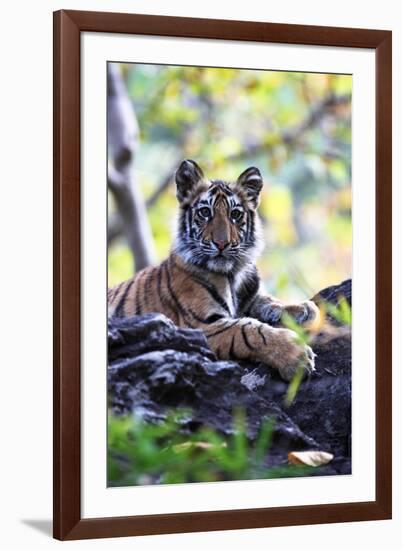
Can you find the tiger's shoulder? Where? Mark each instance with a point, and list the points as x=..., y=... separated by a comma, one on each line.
x=166, y=288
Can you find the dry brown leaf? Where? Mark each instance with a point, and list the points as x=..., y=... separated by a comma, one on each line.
x=310, y=458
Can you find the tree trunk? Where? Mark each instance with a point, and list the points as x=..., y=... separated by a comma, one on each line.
x=122, y=148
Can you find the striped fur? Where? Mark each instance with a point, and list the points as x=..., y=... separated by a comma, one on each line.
x=210, y=281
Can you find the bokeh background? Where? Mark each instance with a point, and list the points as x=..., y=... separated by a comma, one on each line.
x=296, y=127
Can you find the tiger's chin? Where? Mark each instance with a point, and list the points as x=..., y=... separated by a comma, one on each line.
x=220, y=264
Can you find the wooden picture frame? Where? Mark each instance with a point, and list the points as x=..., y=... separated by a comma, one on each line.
x=68, y=26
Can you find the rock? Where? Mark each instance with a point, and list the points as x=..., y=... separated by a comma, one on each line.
x=156, y=367
x=333, y=293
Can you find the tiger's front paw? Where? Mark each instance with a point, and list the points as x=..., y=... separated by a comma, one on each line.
x=305, y=313
x=292, y=355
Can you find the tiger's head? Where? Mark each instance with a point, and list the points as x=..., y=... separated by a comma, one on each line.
x=218, y=227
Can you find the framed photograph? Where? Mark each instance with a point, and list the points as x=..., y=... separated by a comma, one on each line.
x=217, y=186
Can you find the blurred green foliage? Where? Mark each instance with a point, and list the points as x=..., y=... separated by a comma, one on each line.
x=141, y=453
x=342, y=312
x=227, y=119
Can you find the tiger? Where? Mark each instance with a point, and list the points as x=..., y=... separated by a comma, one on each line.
x=210, y=280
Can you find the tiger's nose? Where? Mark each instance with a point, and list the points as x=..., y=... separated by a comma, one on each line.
x=220, y=245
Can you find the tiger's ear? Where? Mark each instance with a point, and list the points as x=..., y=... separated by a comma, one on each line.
x=251, y=182
x=187, y=176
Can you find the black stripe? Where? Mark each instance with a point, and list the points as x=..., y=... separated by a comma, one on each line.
x=110, y=294
x=243, y=333
x=178, y=305
x=251, y=237
x=159, y=283
x=213, y=318
x=138, y=308
x=206, y=321
x=232, y=354
x=182, y=222
x=165, y=298
x=147, y=287
x=224, y=329
x=262, y=334
x=122, y=300
x=190, y=222
x=115, y=290
x=227, y=191
x=214, y=190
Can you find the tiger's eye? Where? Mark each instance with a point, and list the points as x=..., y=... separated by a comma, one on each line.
x=204, y=212
x=236, y=215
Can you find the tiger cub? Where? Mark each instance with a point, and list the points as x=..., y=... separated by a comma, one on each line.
x=210, y=281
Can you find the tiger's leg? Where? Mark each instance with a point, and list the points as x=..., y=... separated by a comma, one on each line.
x=270, y=310
x=248, y=338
